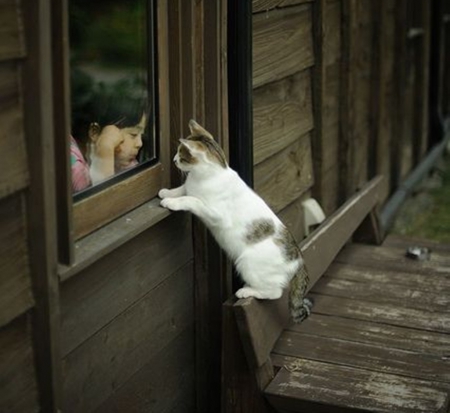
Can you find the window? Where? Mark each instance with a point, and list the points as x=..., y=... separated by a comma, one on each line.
x=109, y=110
x=112, y=91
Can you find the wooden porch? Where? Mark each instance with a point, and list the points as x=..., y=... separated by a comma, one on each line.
x=378, y=338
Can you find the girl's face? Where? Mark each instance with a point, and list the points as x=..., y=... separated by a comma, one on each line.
x=125, y=153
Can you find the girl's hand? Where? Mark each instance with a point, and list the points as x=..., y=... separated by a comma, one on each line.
x=110, y=138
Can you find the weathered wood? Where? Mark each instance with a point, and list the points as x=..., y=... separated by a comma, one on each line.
x=293, y=217
x=15, y=284
x=293, y=167
x=384, y=313
x=265, y=5
x=405, y=241
x=363, y=355
x=91, y=299
x=160, y=384
x=241, y=393
x=374, y=333
x=113, y=355
x=12, y=45
x=18, y=390
x=99, y=209
x=282, y=113
x=12, y=146
x=282, y=44
x=306, y=385
x=394, y=259
x=419, y=282
x=378, y=292
x=356, y=103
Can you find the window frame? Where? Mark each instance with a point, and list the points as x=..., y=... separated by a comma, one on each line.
x=80, y=218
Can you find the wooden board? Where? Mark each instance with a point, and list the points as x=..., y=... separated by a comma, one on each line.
x=12, y=44
x=12, y=145
x=293, y=217
x=282, y=44
x=119, y=350
x=372, y=332
x=161, y=385
x=292, y=167
x=321, y=388
x=394, y=259
x=428, y=320
x=18, y=388
x=282, y=113
x=91, y=299
x=265, y=5
x=15, y=283
x=405, y=241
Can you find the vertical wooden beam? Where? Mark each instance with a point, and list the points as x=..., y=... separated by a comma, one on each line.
x=41, y=202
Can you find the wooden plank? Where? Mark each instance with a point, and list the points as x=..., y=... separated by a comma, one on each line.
x=319, y=387
x=293, y=217
x=101, y=208
x=428, y=320
x=282, y=113
x=241, y=393
x=113, y=355
x=12, y=44
x=405, y=241
x=91, y=299
x=265, y=5
x=15, y=284
x=433, y=283
x=18, y=388
x=356, y=93
x=12, y=146
x=394, y=259
x=261, y=322
x=364, y=355
x=400, y=294
x=282, y=44
x=372, y=332
x=159, y=384
x=293, y=167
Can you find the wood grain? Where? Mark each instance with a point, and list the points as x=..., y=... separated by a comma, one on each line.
x=165, y=383
x=12, y=145
x=119, y=350
x=282, y=44
x=265, y=5
x=101, y=208
x=282, y=113
x=17, y=372
x=15, y=284
x=91, y=299
x=12, y=45
x=293, y=217
x=284, y=177
x=306, y=385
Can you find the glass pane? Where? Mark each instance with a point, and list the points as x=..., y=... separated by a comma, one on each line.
x=111, y=89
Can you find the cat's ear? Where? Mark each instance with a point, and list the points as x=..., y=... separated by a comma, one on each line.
x=197, y=130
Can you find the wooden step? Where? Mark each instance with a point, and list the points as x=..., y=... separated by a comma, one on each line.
x=316, y=387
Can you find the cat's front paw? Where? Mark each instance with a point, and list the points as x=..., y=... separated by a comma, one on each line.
x=246, y=292
x=173, y=204
x=164, y=193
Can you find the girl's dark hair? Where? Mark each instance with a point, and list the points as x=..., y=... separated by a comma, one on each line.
x=121, y=103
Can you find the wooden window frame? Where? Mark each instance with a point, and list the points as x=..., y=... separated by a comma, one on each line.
x=80, y=218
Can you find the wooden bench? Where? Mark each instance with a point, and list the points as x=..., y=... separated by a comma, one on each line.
x=351, y=354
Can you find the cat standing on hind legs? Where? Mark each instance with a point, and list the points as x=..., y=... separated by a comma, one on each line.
x=264, y=252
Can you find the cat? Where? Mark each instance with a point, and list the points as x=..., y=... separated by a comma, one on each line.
x=264, y=252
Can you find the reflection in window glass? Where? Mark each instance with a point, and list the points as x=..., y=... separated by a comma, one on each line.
x=111, y=88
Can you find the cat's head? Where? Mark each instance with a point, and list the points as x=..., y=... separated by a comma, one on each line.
x=199, y=151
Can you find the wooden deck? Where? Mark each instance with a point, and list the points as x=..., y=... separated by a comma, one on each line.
x=378, y=338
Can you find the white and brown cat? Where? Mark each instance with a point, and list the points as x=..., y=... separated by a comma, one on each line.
x=265, y=253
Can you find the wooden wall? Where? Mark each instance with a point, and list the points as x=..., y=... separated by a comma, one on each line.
x=340, y=94
x=19, y=389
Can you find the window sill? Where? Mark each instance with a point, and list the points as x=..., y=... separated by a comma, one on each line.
x=101, y=242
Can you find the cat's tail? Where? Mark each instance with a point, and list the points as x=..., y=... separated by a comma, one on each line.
x=299, y=306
